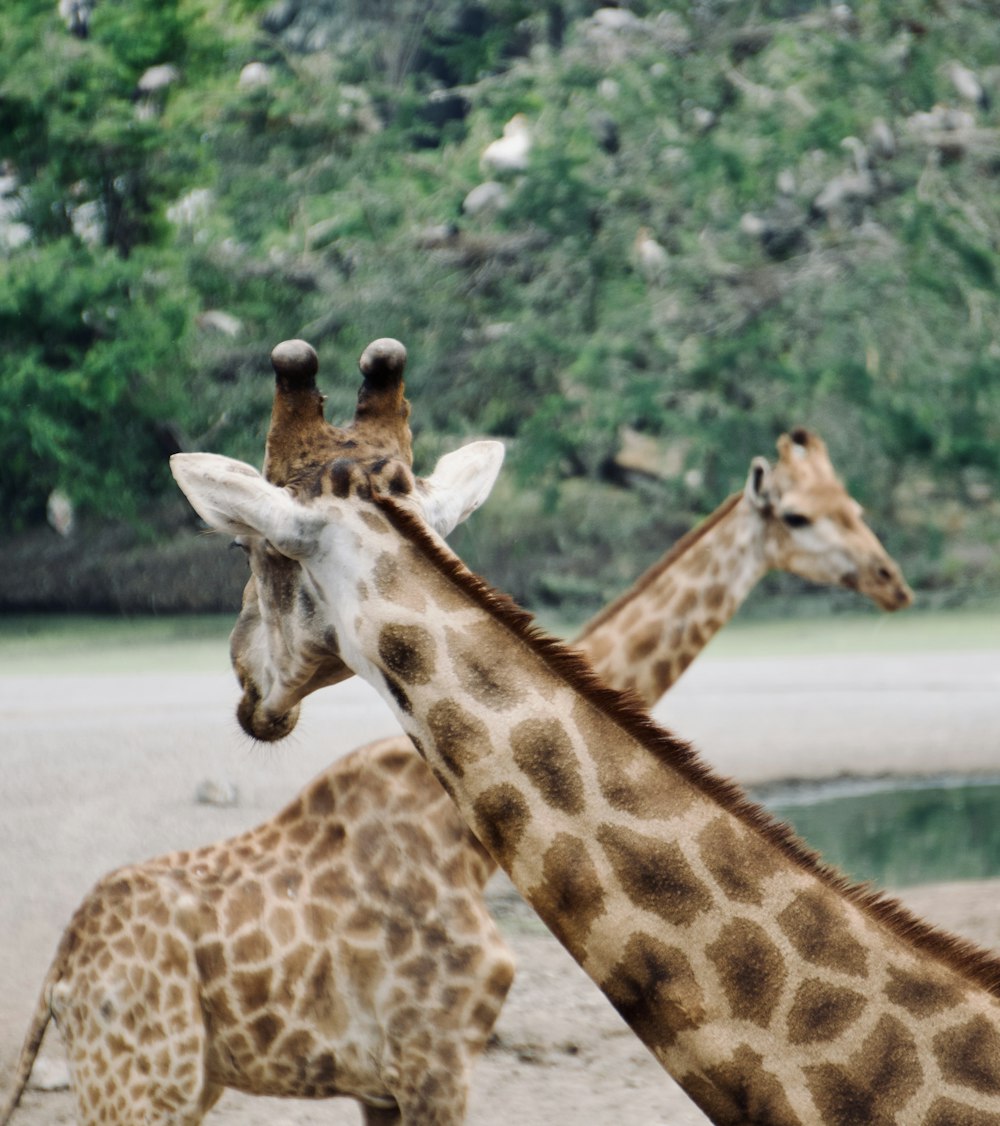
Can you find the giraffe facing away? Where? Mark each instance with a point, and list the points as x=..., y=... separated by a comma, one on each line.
x=385, y=793
x=771, y=989
x=341, y=948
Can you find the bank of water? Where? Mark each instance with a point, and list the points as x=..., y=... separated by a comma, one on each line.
x=898, y=832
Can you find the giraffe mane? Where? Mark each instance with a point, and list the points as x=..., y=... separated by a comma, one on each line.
x=625, y=709
x=683, y=545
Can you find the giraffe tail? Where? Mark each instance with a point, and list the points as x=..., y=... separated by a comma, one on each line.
x=33, y=1040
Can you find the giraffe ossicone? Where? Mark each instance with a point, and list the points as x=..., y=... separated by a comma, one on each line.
x=374, y=451
x=772, y=990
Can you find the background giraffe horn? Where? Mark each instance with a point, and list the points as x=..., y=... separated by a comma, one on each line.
x=383, y=413
x=297, y=414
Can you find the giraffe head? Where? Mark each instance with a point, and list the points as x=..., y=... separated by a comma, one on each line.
x=815, y=528
x=282, y=647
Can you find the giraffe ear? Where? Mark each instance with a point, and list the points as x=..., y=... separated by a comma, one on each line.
x=461, y=481
x=232, y=497
x=759, y=487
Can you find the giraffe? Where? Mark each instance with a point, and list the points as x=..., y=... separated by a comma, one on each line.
x=343, y=947
x=795, y=516
x=772, y=989
x=458, y=866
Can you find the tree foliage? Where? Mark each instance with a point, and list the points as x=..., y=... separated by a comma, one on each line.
x=326, y=200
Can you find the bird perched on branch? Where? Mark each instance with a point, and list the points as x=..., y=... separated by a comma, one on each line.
x=510, y=152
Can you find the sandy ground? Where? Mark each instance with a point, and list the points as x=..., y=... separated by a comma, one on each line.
x=102, y=770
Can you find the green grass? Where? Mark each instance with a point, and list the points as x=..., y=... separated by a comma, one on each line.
x=873, y=632
x=59, y=645
x=56, y=645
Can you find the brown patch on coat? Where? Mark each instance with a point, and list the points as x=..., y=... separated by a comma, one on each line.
x=655, y=989
x=631, y=779
x=570, y=896
x=921, y=993
x=742, y=1092
x=654, y=874
x=751, y=970
x=244, y=906
x=822, y=1011
x=948, y=1112
x=460, y=738
x=544, y=752
x=407, y=652
x=969, y=1055
x=876, y=1083
x=252, y=988
x=484, y=670
x=739, y=862
x=816, y=924
x=502, y=817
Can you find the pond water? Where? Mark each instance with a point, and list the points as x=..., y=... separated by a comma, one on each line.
x=898, y=834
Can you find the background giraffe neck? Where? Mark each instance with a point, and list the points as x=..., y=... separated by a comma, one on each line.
x=753, y=973
x=647, y=637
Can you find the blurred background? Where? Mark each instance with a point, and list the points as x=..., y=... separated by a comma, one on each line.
x=634, y=243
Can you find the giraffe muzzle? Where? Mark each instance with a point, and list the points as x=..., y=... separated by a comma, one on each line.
x=883, y=584
x=259, y=723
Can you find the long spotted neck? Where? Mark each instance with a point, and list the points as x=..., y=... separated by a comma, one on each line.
x=771, y=992
x=647, y=637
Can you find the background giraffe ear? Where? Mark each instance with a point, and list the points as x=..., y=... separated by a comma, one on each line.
x=759, y=488
x=232, y=497
x=461, y=481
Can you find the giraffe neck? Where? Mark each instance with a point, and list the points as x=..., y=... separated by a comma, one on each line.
x=771, y=991
x=646, y=638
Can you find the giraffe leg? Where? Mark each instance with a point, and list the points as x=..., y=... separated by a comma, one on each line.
x=382, y=1116
x=433, y=1048
x=435, y=1094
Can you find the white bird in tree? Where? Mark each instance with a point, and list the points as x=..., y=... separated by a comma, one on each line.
x=967, y=84
x=650, y=257
x=851, y=188
x=60, y=513
x=510, y=152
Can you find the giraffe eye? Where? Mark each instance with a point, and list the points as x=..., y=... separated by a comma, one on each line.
x=795, y=520
x=242, y=544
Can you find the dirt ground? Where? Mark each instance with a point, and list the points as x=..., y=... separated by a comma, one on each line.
x=100, y=770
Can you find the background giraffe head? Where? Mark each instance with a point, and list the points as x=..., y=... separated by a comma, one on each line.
x=815, y=528
x=279, y=648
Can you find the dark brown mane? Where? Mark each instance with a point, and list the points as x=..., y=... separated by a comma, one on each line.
x=625, y=710
x=684, y=544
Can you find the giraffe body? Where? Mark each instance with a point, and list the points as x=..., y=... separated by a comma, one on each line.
x=773, y=991
x=341, y=948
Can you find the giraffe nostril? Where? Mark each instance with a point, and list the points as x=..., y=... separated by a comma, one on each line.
x=884, y=574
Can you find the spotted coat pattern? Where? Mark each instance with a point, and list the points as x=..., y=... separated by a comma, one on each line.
x=341, y=948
